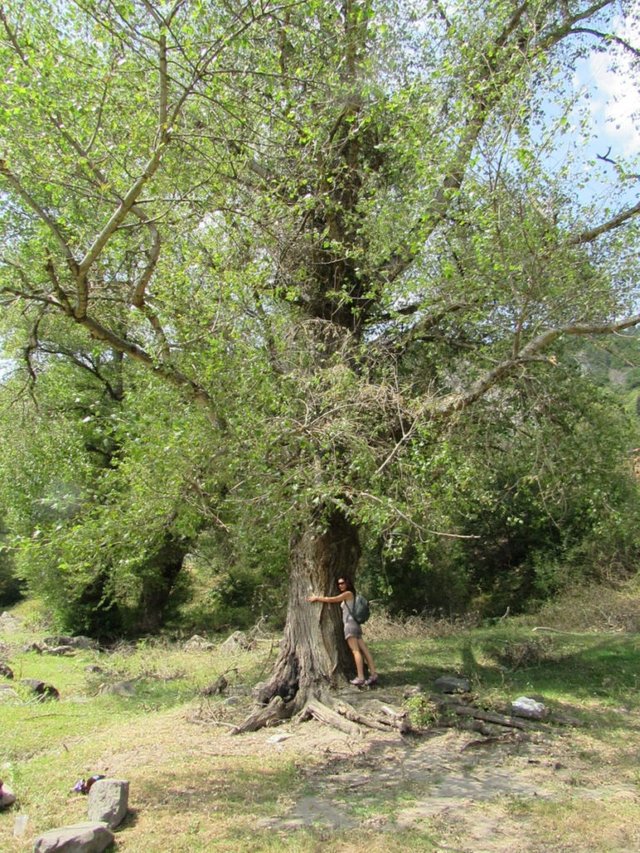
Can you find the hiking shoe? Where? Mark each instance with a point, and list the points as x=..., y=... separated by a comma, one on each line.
x=373, y=679
x=358, y=682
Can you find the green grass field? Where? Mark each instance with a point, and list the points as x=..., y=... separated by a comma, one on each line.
x=196, y=787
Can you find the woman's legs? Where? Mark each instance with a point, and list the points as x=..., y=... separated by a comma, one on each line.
x=354, y=645
x=367, y=656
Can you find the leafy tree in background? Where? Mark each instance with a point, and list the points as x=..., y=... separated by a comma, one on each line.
x=98, y=536
x=541, y=493
x=327, y=225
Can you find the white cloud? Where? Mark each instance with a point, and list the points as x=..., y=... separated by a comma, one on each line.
x=615, y=94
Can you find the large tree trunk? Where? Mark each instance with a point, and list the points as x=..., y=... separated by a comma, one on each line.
x=314, y=656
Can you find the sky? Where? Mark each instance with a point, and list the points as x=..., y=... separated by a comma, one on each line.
x=613, y=113
x=616, y=93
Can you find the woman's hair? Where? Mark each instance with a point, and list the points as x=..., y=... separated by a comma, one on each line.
x=349, y=584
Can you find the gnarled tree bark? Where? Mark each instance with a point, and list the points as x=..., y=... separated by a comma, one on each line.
x=314, y=657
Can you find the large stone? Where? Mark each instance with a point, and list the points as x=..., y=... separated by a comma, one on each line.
x=237, y=642
x=79, y=642
x=43, y=691
x=8, y=622
x=198, y=644
x=8, y=694
x=121, y=688
x=529, y=708
x=91, y=837
x=452, y=684
x=7, y=797
x=5, y=670
x=109, y=801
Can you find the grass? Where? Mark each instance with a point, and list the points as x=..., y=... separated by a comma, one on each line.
x=196, y=788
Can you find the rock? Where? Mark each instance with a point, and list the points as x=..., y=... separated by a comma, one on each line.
x=109, y=801
x=80, y=838
x=78, y=642
x=412, y=690
x=217, y=688
x=7, y=797
x=33, y=647
x=198, y=644
x=237, y=642
x=94, y=668
x=524, y=706
x=452, y=684
x=8, y=694
x=121, y=688
x=279, y=738
x=8, y=622
x=43, y=691
x=5, y=670
x=59, y=650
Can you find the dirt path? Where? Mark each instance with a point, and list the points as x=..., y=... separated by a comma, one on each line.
x=477, y=793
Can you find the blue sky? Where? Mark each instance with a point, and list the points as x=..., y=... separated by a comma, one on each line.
x=606, y=119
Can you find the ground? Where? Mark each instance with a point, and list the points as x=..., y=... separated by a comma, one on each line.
x=304, y=786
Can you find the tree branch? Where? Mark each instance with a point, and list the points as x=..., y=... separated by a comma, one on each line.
x=608, y=37
x=404, y=256
x=55, y=228
x=615, y=222
x=453, y=403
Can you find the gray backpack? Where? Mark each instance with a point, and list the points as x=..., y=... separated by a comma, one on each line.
x=360, y=609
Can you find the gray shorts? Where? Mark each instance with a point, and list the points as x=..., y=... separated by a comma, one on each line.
x=352, y=629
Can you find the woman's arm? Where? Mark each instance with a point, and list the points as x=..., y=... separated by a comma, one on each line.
x=331, y=599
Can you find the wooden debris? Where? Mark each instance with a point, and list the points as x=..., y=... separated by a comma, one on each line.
x=488, y=717
x=324, y=714
x=270, y=715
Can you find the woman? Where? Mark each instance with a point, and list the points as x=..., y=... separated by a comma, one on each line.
x=352, y=631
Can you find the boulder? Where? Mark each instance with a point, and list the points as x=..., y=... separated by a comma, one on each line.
x=198, y=644
x=8, y=622
x=452, y=684
x=525, y=706
x=43, y=691
x=60, y=651
x=7, y=797
x=78, y=642
x=237, y=642
x=8, y=694
x=121, y=688
x=90, y=837
x=5, y=670
x=109, y=801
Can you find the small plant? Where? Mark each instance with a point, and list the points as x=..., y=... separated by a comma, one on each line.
x=423, y=712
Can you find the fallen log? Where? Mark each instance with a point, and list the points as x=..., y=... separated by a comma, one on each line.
x=324, y=714
x=488, y=717
x=350, y=713
x=388, y=715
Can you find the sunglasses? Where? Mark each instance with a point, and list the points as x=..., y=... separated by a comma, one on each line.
x=342, y=583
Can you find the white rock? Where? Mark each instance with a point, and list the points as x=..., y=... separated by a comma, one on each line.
x=278, y=738
x=523, y=706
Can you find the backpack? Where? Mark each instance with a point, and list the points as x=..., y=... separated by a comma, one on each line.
x=360, y=609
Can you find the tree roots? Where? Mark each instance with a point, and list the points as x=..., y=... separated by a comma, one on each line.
x=331, y=711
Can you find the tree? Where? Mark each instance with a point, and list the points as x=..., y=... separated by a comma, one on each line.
x=93, y=530
x=327, y=224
